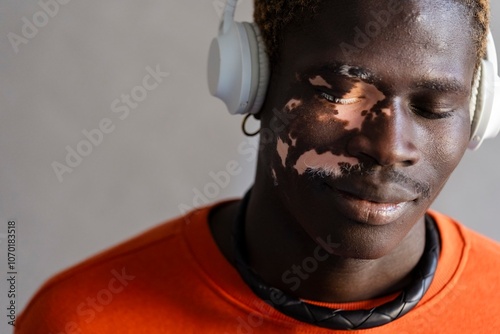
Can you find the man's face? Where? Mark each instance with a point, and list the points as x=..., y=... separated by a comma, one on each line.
x=376, y=98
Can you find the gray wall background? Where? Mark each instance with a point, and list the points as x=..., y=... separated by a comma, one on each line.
x=63, y=81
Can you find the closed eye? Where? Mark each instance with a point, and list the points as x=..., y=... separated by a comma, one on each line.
x=337, y=100
x=432, y=113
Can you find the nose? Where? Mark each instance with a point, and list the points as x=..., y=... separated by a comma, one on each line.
x=388, y=139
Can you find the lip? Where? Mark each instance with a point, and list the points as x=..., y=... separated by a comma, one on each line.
x=371, y=209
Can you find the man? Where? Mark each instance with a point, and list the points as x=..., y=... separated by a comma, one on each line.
x=335, y=234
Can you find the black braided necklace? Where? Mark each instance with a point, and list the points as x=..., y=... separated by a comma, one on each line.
x=338, y=318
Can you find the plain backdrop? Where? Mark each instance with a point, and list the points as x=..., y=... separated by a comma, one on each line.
x=64, y=80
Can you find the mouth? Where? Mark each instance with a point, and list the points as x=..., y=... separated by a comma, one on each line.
x=375, y=208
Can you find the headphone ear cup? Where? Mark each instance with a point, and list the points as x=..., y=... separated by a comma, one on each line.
x=485, y=99
x=229, y=68
x=238, y=68
x=486, y=119
x=262, y=74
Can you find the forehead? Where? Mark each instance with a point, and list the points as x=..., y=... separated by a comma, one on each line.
x=389, y=37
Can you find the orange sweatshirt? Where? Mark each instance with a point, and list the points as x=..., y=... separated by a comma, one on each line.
x=174, y=279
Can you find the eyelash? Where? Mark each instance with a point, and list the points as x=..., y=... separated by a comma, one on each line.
x=431, y=114
x=337, y=100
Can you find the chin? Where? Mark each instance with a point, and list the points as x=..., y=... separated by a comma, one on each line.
x=365, y=248
x=348, y=239
x=321, y=218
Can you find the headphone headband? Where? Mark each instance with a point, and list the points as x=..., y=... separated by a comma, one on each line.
x=228, y=15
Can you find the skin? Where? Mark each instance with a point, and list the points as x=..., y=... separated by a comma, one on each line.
x=403, y=132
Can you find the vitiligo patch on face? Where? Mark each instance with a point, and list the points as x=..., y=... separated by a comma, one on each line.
x=346, y=99
x=283, y=148
x=353, y=107
x=320, y=82
x=292, y=104
x=327, y=162
x=282, y=151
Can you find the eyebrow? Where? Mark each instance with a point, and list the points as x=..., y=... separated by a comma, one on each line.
x=443, y=85
x=350, y=71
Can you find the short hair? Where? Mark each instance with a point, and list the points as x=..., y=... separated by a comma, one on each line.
x=274, y=16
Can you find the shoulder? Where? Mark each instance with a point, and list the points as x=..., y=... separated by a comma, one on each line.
x=476, y=244
x=483, y=258
x=112, y=281
x=479, y=256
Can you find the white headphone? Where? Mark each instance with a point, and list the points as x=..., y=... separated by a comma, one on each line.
x=238, y=74
x=238, y=66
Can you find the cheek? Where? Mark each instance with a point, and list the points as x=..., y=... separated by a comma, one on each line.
x=316, y=137
x=327, y=163
x=442, y=146
x=308, y=143
x=450, y=145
